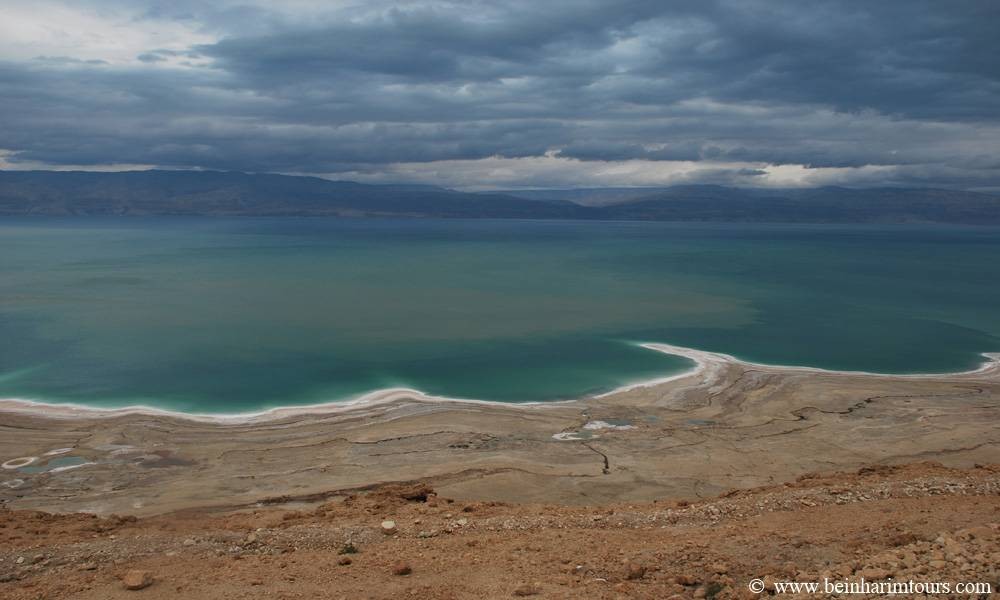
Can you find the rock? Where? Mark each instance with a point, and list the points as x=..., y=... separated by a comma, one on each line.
x=137, y=579
x=462, y=522
x=700, y=592
x=189, y=542
x=251, y=538
x=686, y=580
x=389, y=527
x=401, y=568
x=635, y=571
x=981, y=533
x=874, y=573
x=344, y=560
x=528, y=589
x=720, y=569
x=88, y=566
x=416, y=493
x=769, y=583
x=20, y=560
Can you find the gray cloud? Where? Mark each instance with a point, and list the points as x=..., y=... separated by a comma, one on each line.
x=875, y=93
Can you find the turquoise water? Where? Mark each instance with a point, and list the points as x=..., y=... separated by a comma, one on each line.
x=233, y=315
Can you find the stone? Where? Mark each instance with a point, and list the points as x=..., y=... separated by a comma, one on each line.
x=528, y=589
x=344, y=560
x=635, y=571
x=874, y=573
x=401, y=568
x=137, y=579
x=389, y=527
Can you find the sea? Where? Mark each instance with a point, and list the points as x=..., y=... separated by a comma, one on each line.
x=238, y=315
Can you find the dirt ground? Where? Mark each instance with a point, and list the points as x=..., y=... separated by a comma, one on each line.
x=922, y=522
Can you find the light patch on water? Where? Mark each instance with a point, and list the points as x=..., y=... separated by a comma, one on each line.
x=17, y=463
x=69, y=467
x=56, y=465
x=610, y=424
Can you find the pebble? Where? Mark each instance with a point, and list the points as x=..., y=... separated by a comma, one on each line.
x=874, y=573
x=528, y=589
x=137, y=579
x=635, y=571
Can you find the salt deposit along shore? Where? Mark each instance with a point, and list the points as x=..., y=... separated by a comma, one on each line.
x=725, y=424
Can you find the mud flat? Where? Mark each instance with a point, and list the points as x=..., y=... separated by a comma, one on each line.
x=726, y=424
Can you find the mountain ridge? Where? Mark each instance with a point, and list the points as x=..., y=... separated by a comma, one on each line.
x=228, y=193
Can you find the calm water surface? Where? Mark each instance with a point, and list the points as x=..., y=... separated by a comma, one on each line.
x=233, y=315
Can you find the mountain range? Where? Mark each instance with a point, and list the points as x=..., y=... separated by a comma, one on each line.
x=213, y=193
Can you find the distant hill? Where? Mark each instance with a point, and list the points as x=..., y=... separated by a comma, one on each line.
x=587, y=196
x=214, y=193
x=226, y=193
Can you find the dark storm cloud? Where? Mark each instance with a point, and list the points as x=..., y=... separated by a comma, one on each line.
x=908, y=85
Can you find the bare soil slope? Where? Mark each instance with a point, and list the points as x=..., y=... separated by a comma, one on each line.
x=920, y=521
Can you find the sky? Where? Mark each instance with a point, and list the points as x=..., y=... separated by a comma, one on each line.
x=510, y=93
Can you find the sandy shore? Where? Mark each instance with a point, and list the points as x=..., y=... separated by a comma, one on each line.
x=726, y=424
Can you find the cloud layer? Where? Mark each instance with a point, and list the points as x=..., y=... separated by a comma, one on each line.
x=518, y=93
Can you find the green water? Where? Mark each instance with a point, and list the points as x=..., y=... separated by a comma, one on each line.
x=234, y=315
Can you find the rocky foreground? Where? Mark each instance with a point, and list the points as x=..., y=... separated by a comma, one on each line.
x=922, y=522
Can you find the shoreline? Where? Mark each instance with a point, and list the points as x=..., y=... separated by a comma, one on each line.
x=704, y=362
x=723, y=424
